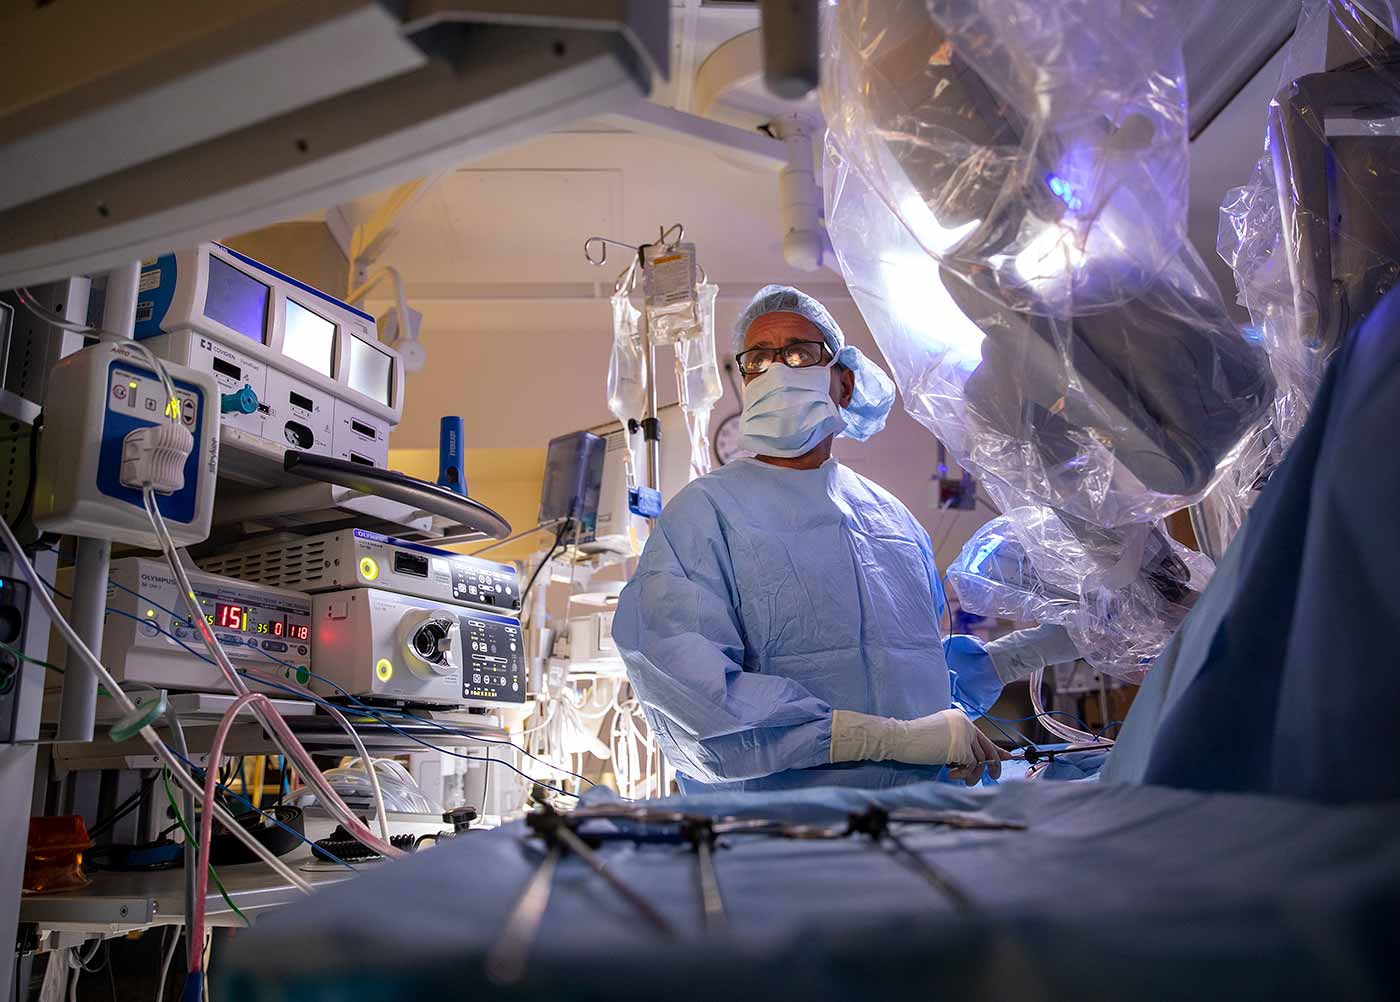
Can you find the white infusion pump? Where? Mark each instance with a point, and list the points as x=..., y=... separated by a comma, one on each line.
x=100, y=402
x=296, y=368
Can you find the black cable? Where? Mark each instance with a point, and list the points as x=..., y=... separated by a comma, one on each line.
x=120, y=811
x=27, y=505
x=486, y=780
x=281, y=782
x=554, y=547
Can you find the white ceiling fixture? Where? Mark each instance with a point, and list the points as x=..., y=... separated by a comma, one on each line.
x=269, y=131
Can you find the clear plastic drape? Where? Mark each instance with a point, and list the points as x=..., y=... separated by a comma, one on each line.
x=1006, y=193
x=1314, y=235
x=1120, y=595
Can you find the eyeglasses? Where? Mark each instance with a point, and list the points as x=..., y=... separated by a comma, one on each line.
x=798, y=355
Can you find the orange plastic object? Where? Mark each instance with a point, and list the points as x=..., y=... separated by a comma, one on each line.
x=54, y=859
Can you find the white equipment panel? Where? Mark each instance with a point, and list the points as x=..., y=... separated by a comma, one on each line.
x=374, y=644
x=356, y=558
x=266, y=630
x=95, y=399
x=297, y=369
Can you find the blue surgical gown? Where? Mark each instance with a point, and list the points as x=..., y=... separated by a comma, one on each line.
x=766, y=597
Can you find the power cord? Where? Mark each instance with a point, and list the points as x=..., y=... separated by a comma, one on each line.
x=564, y=527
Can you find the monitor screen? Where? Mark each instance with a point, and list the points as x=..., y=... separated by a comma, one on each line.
x=371, y=371
x=236, y=300
x=308, y=338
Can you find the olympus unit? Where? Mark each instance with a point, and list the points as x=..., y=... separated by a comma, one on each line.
x=264, y=630
x=354, y=558
x=375, y=644
x=297, y=369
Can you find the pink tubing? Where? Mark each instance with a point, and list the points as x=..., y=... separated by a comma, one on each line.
x=267, y=713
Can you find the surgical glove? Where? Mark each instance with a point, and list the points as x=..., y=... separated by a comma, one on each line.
x=948, y=737
x=1019, y=655
x=972, y=677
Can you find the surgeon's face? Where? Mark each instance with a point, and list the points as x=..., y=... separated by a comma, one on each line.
x=778, y=330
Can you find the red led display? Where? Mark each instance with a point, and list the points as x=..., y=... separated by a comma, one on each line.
x=230, y=617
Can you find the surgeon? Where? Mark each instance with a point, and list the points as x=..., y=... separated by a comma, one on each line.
x=782, y=629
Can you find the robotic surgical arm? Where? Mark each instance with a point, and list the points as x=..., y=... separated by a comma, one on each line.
x=1006, y=195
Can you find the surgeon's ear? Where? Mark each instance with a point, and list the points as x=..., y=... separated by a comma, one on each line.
x=843, y=385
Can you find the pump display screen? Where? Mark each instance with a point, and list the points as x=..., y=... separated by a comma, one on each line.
x=236, y=300
x=265, y=622
x=371, y=371
x=230, y=617
x=308, y=338
x=291, y=631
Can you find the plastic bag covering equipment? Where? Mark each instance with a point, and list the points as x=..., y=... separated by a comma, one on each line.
x=1312, y=236
x=1120, y=596
x=1006, y=186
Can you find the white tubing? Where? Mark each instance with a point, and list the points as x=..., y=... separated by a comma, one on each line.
x=91, y=662
x=1047, y=720
x=282, y=735
x=381, y=814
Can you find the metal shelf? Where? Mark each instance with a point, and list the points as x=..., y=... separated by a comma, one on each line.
x=120, y=902
x=323, y=735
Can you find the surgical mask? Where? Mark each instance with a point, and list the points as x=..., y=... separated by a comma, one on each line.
x=788, y=411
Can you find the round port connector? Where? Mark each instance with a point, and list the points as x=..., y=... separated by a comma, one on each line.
x=429, y=639
x=299, y=435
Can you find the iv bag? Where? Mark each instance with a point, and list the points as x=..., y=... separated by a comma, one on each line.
x=697, y=368
x=668, y=283
x=698, y=382
x=627, y=370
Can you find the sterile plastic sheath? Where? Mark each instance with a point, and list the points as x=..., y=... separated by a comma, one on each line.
x=1006, y=187
x=1312, y=236
x=767, y=597
x=1119, y=595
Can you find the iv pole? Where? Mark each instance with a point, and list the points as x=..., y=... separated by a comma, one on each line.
x=651, y=425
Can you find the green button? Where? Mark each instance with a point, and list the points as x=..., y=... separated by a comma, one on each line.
x=303, y=676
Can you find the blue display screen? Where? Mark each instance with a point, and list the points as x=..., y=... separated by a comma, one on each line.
x=236, y=300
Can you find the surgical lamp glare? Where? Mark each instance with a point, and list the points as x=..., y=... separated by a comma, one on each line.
x=916, y=294
x=1054, y=253
x=927, y=230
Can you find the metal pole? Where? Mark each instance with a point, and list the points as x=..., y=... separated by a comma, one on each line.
x=715, y=922
x=506, y=960
x=651, y=427
x=78, y=703
x=77, y=708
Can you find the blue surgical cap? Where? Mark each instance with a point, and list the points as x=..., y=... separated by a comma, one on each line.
x=874, y=392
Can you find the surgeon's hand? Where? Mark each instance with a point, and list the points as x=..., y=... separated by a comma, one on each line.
x=947, y=737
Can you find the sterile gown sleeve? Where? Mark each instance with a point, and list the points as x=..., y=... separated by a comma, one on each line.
x=679, y=632
x=972, y=679
x=978, y=671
